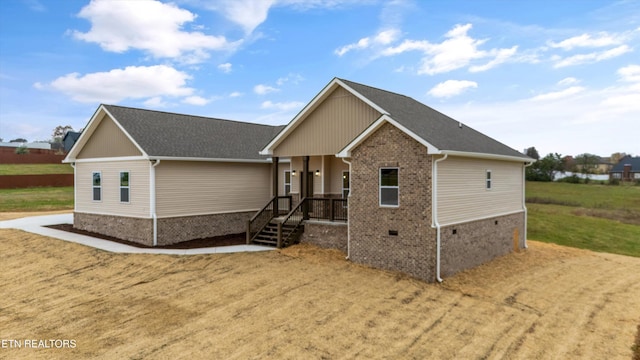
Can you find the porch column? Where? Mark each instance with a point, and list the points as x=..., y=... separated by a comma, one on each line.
x=304, y=178
x=275, y=161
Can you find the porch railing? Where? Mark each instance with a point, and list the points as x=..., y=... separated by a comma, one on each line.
x=278, y=205
x=327, y=209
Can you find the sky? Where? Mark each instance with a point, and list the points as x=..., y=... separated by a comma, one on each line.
x=562, y=76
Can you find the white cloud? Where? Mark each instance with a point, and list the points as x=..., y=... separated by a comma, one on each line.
x=150, y=26
x=384, y=37
x=155, y=102
x=262, y=89
x=196, y=100
x=568, y=81
x=225, y=68
x=292, y=78
x=630, y=73
x=282, y=106
x=591, y=57
x=555, y=95
x=451, y=88
x=133, y=82
x=249, y=14
x=457, y=51
x=585, y=40
x=235, y=94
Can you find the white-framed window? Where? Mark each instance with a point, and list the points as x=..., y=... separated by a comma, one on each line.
x=488, y=180
x=97, y=185
x=636, y=175
x=346, y=181
x=287, y=182
x=124, y=186
x=617, y=175
x=389, y=193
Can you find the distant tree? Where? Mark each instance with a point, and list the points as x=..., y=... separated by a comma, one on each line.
x=18, y=140
x=587, y=164
x=22, y=150
x=1, y=139
x=533, y=153
x=58, y=133
x=569, y=163
x=546, y=168
x=616, y=157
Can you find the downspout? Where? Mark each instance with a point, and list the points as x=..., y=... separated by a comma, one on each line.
x=152, y=200
x=434, y=204
x=524, y=205
x=75, y=186
x=348, y=212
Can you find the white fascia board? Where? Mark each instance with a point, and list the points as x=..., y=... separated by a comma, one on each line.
x=256, y=161
x=487, y=156
x=111, y=159
x=268, y=150
x=346, y=151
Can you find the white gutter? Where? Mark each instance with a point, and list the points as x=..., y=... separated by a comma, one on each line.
x=75, y=186
x=434, y=212
x=524, y=205
x=348, y=212
x=152, y=200
x=485, y=156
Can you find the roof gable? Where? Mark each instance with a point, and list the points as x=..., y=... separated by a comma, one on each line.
x=108, y=140
x=633, y=161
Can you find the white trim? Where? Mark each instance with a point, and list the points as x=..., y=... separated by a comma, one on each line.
x=284, y=182
x=321, y=96
x=112, y=214
x=212, y=213
x=128, y=187
x=342, y=181
x=257, y=161
x=397, y=187
x=383, y=119
x=93, y=187
x=108, y=159
x=152, y=199
x=487, y=156
x=75, y=187
x=483, y=218
x=434, y=212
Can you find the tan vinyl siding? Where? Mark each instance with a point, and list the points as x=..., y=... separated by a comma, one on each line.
x=191, y=188
x=337, y=167
x=110, y=204
x=337, y=121
x=108, y=141
x=462, y=192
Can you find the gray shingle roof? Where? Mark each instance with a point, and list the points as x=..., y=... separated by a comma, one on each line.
x=176, y=135
x=434, y=127
x=633, y=161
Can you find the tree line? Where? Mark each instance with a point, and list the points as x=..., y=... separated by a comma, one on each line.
x=546, y=168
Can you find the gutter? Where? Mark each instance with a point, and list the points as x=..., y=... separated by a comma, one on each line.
x=524, y=205
x=152, y=200
x=75, y=185
x=434, y=212
x=348, y=212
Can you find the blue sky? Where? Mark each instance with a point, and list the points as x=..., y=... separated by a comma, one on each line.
x=563, y=76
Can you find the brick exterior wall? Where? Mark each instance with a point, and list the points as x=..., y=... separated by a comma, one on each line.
x=326, y=235
x=170, y=230
x=413, y=250
x=126, y=228
x=179, y=229
x=477, y=242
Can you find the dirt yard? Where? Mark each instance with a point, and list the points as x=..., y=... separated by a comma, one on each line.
x=304, y=302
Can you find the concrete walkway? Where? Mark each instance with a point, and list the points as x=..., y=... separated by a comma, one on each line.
x=36, y=225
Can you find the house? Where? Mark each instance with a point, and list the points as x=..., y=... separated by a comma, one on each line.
x=70, y=138
x=627, y=169
x=391, y=181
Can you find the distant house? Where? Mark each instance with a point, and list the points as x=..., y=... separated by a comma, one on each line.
x=394, y=183
x=70, y=138
x=627, y=169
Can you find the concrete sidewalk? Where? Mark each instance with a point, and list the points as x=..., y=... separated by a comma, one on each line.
x=36, y=225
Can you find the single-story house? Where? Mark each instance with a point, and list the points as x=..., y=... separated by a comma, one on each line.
x=627, y=169
x=394, y=183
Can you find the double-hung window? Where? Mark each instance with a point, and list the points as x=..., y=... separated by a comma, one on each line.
x=389, y=193
x=97, y=186
x=124, y=186
x=488, y=180
x=287, y=182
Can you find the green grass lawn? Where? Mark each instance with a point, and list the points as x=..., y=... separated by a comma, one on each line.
x=596, y=217
x=35, y=169
x=36, y=199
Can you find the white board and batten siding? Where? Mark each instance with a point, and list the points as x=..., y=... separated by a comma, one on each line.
x=187, y=188
x=138, y=205
x=463, y=195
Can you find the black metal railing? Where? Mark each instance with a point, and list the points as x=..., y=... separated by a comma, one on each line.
x=327, y=209
x=290, y=229
x=278, y=205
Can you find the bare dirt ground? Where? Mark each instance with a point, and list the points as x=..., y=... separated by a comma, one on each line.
x=306, y=302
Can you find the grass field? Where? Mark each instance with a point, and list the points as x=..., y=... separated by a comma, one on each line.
x=36, y=199
x=35, y=169
x=596, y=217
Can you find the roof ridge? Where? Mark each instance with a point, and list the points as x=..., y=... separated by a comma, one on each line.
x=379, y=89
x=190, y=115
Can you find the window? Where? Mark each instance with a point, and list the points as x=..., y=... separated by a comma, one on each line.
x=345, y=184
x=389, y=189
x=488, y=179
x=287, y=182
x=124, y=186
x=617, y=175
x=636, y=175
x=97, y=186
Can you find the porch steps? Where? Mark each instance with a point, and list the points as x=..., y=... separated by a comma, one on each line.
x=269, y=235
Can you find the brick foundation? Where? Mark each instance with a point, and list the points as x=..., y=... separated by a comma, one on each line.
x=126, y=228
x=179, y=229
x=371, y=227
x=477, y=242
x=326, y=235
